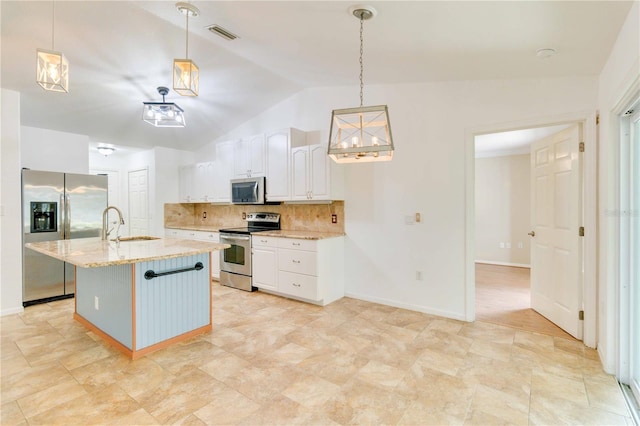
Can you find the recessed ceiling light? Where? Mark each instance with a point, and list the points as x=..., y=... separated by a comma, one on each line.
x=545, y=52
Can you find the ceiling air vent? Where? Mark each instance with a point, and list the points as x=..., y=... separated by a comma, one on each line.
x=217, y=29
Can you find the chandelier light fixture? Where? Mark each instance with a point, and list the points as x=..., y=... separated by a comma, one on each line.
x=186, y=75
x=52, y=68
x=163, y=114
x=361, y=134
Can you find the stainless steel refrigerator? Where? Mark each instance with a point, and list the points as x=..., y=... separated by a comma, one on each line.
x=56, y=206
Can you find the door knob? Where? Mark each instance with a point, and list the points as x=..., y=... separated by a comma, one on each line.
x=532, y=233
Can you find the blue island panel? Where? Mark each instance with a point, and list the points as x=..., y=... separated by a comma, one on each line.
x=171, y=305
x=111, y=286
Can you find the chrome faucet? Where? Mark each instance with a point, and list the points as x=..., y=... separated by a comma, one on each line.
x=105, y=225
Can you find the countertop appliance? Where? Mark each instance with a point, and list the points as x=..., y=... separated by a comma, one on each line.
x=235, y=261
x=248, y=190
x=56, y=206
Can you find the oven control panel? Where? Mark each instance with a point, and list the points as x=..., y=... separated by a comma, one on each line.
x=263, y=217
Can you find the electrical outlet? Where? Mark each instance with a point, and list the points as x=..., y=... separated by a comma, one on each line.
x=204, y=215
x=244, y=215
x=334, y=218
x=96, y=303
x=418, y=218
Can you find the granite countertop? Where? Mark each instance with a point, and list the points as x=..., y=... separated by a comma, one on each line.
x=282, y=233
x=95, y=252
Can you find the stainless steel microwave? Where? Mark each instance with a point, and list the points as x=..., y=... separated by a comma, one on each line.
x=248, y=191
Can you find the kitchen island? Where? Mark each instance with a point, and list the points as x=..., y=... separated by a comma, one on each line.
x=140, y=294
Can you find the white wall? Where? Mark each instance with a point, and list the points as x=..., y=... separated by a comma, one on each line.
x=502, y=210
x=618, y=75
x=426, y=175
x=10, y=205
x=50, y=150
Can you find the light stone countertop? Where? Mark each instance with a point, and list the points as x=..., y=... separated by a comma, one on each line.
x=282, y=233
x=95, y=252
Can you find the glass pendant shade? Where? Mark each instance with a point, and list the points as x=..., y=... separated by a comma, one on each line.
x=163, y=114
x=52, y=70
x=360, y=135
x=186, y=77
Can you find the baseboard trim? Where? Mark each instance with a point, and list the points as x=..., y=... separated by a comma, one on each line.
x=12, y=311
x=411, y=307
x=515, y=265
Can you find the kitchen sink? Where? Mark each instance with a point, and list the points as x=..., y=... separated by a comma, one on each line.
x=137, y=238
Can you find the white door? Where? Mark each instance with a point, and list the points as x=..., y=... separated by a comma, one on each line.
x=113, y=191
x=138, y=202
x=556, y=280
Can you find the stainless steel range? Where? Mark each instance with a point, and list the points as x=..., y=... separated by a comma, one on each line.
x=235, y=261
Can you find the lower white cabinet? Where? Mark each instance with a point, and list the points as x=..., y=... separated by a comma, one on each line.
x=202, y=236
x=264, y=262
x=308, y=270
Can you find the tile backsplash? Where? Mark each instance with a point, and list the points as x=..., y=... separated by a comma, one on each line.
x=294, y=217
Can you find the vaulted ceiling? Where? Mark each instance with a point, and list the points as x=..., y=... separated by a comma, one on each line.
x=120, y=51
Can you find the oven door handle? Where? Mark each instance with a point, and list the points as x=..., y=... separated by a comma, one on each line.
x=233, y=238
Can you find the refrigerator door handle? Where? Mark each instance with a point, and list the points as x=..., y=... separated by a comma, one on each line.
x=63, y=217
x=67, y=221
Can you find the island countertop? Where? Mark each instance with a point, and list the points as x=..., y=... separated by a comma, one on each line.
x=95, y=252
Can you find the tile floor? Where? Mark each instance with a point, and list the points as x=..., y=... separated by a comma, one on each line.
x=272, y=361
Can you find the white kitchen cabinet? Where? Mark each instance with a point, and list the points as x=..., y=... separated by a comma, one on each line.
x=186, y=176
x=265, y=262
x=278, y=162
x=203, y=182
x=222, y=172
x=310, y=173
x=307, y=270
x=249, y=157
x=202, y=236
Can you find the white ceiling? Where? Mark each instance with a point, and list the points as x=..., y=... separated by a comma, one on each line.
x=120, y=51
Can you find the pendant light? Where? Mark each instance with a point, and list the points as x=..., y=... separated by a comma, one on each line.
x=186, y=75
x=52, y=68
x=361, y=134
x=163, y=114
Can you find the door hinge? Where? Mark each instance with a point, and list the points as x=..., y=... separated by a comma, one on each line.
x=581, y=147
x=581, y=231
x=597, y=119
x=581, y=315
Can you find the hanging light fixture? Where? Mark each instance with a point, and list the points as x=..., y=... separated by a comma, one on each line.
x=163, y=114
x=361, y=134
x=52, y=68
x=186, y=75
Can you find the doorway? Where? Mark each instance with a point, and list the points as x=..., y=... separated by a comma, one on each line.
x=588, y=122
x=503, y=167
x=139, y=202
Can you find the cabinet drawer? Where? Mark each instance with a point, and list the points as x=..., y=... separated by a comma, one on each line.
x=297, y=244
x=258, y=240
x=300, y=261
x=298, y=285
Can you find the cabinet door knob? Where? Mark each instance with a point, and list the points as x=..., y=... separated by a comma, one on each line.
x=532, y=233
x=295, y=285
x=295, y=261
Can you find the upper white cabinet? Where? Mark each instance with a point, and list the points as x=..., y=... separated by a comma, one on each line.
x=186, y=176
x=222, y=172
x=310, y=173
x=249, y=157
x=278, y=162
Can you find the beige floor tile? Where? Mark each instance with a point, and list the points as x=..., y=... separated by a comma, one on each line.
x=430, y=413
x=447, y=343
x=606, y=397
x=11, y=414
x=85, y=357
x=381, y=375
x=64, y=391
x=551, y=386
x=446, y=325
x=311, y=391
x=292, y=353
x=488, y=332
x=439, y=361
x=185, y=356
x=31, y=380
x=217, y=412
x=283, y=411
x=509, y=407
x=141, y=376
x=335, y=366
x=545, y=410
x=498, y=351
